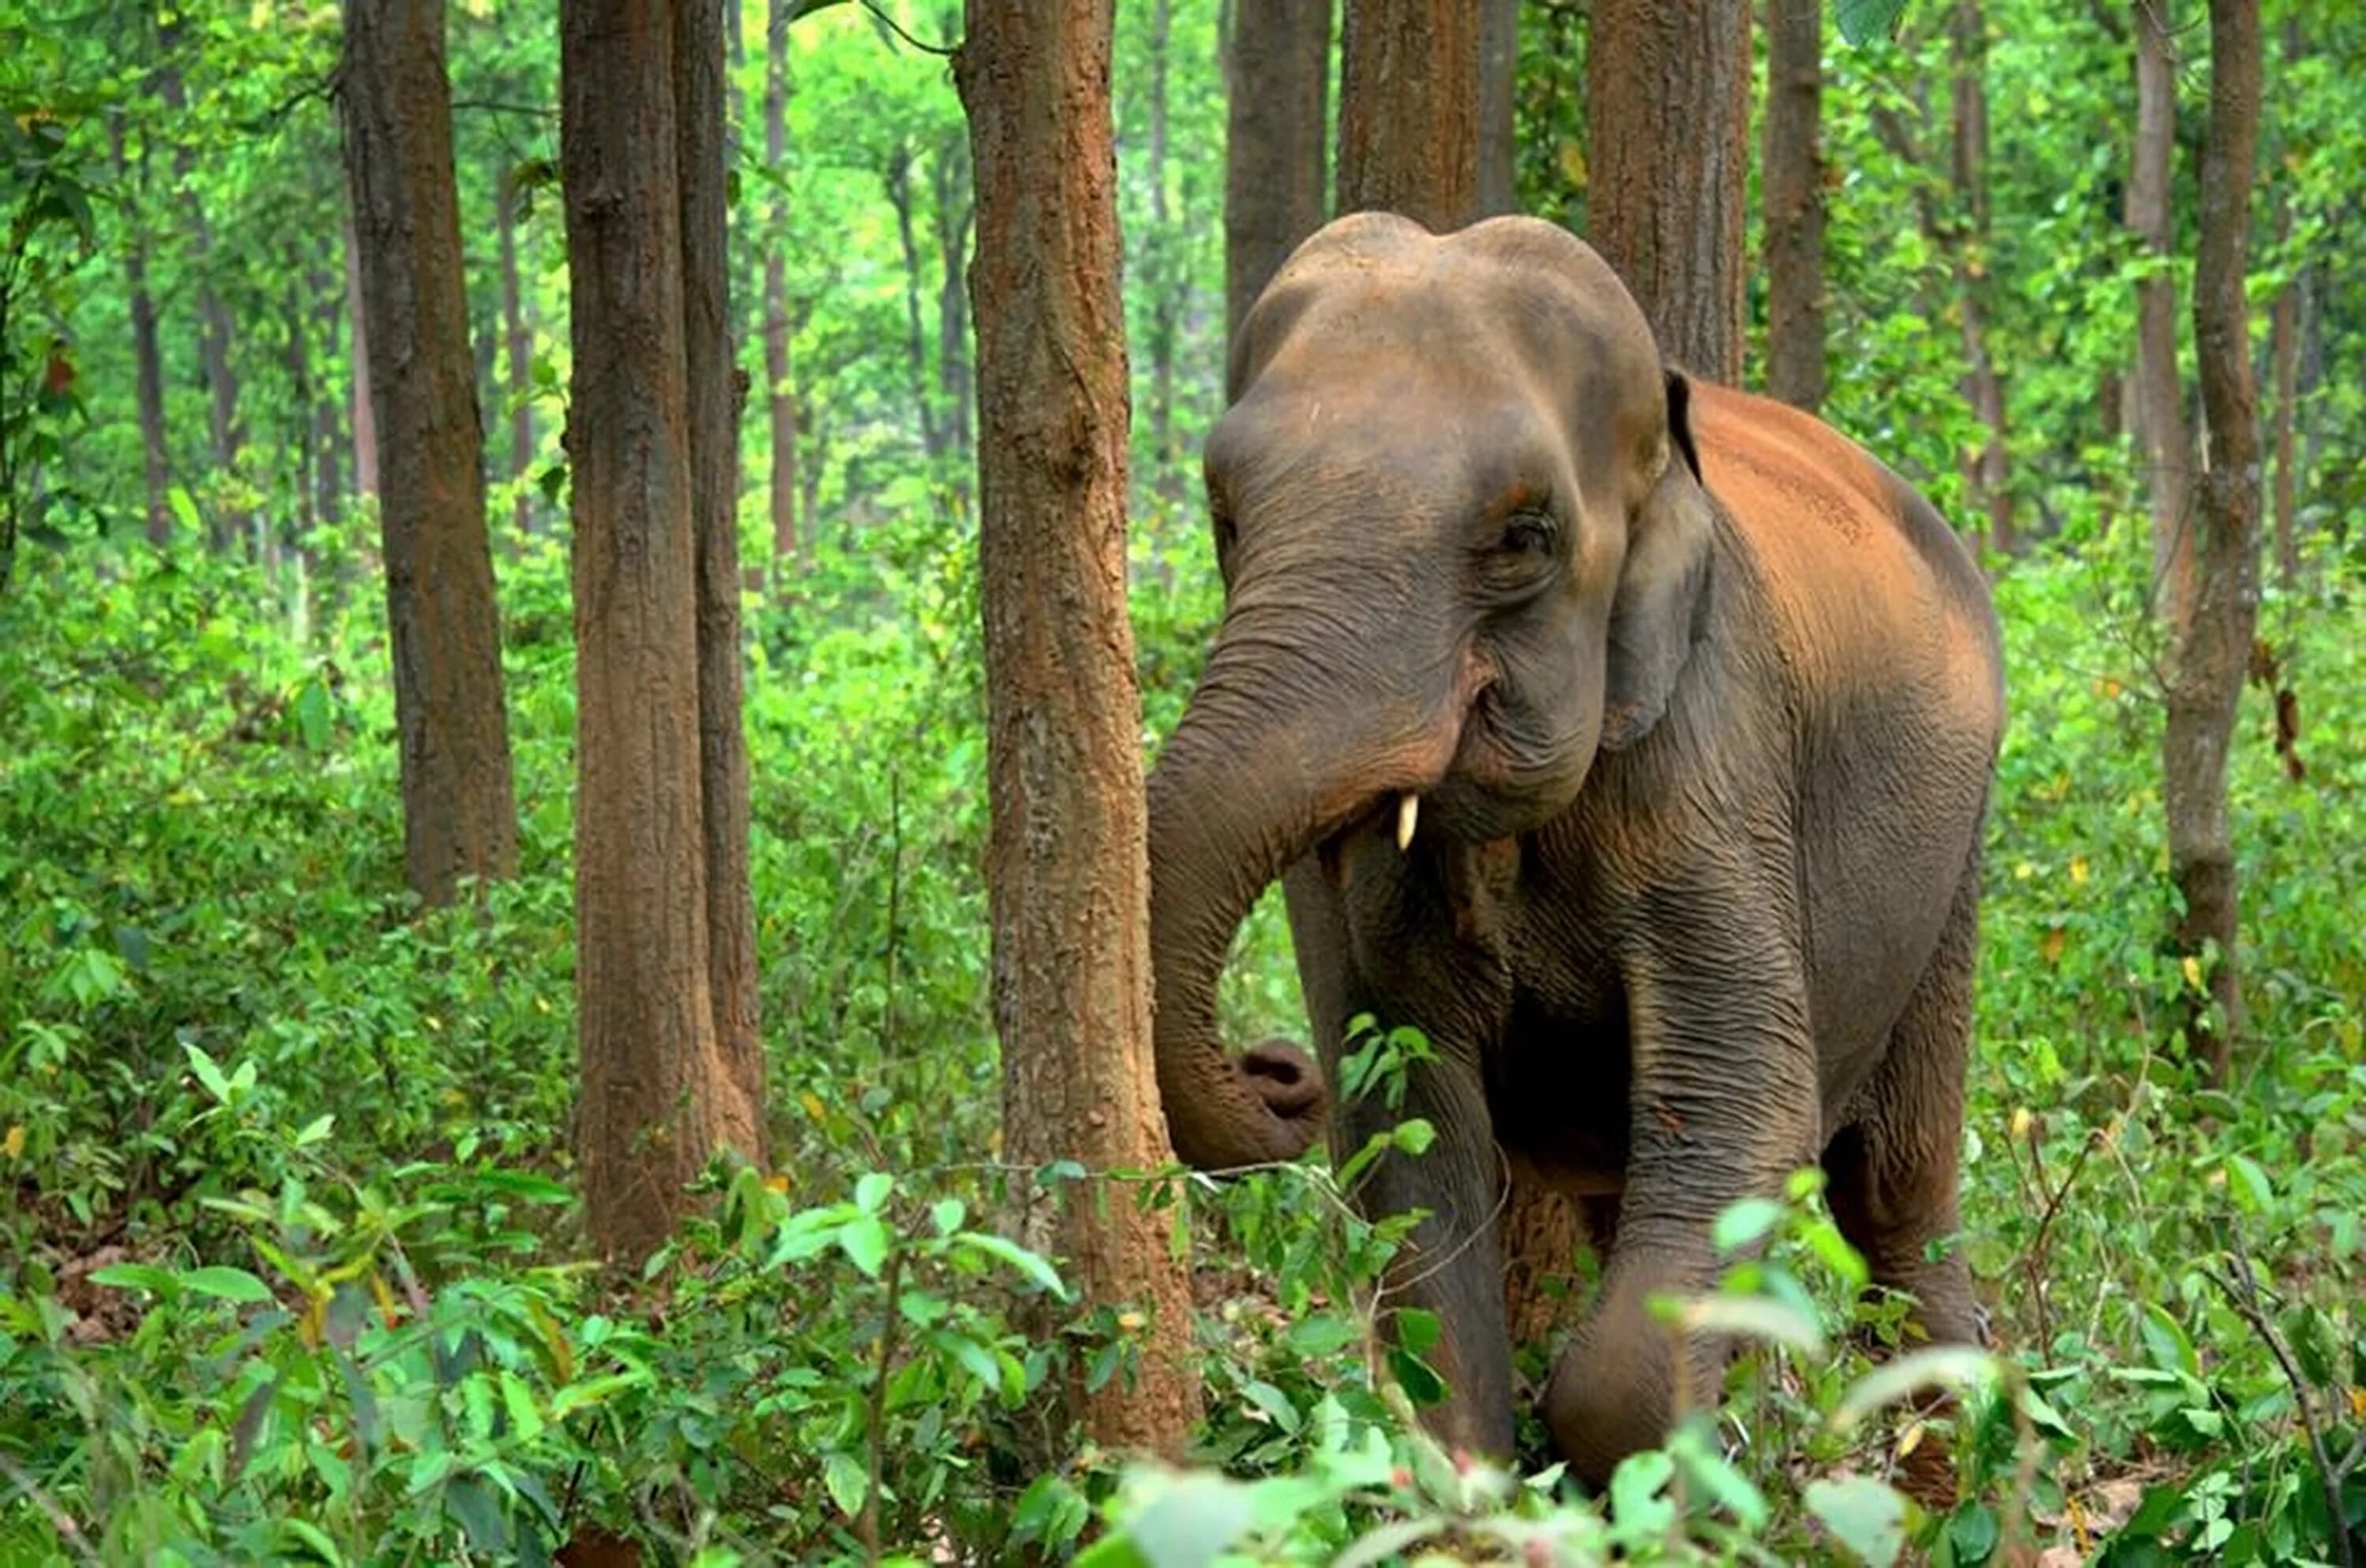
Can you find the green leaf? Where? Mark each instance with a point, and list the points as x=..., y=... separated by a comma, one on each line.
x=1191, y=1522
x=312, y=715
x=1937, y=1366
x=1018, y=1258
x=311, y=1540
x=871, y=1190
x=865, y=1240
x=138, y=1277
x=2244, y=1177
x=1751, y=1220
x=315, y=1130
x=849, y=1482
x=1754, y=1317
x=226, y=1284
x=1274, y=1402
x=1862, y=21
x=207, y=1071
x=1863, y=1516
x=1413, y=1135
x=947, y=1214
x=1637, y=1488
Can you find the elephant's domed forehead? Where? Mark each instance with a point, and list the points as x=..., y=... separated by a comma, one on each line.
x=1512, y=299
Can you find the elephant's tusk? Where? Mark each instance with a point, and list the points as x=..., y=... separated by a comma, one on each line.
x=1408, y=812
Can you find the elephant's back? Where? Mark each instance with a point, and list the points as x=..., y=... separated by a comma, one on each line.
x=1867, y=581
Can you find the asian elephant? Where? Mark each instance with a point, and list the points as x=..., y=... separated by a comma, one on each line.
x=1629, y=735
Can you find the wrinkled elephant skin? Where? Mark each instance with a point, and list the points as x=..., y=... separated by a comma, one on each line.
x=1627, y=735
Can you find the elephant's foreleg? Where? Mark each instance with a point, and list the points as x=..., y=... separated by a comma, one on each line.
x=1723, y=1104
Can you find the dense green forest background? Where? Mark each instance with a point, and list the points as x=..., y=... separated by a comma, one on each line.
x=288, y=1265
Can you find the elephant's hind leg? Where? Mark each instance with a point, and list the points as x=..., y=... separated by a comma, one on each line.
x=1894, y=1168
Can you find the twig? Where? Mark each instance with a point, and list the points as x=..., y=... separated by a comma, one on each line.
x=60, y=1521
x=879, y=1409
x=2246, y=1303
x=807, y=7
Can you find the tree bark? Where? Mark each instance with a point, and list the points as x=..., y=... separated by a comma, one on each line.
x=1067, y=867
x=1278, y=68
x=1409, y=109
x=459, y=815
x=1987, y=469
x=2157, y=415
x=781, y=402
x=1499, y=62
x=2211, y=646
x=659, y=1097
x=518, y=333
x=1667, y=98
x=715, y=395
x=1794, y=196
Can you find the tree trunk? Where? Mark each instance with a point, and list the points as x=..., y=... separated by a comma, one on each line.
x=780, y=394
x=147, y=358
x=956, y=211
x=365, y=417
x=2157, y=411
x=459, y=815
x=328, y=429
x=1987, y=470
x=1499, y=62
x=1667, y=99
x=518, y=333
x=1794, y=196
x=2283, y=357
x=658, y=1095
x=1067, y=870
x=2211, y=646
x=716, y=393
x=897, y=176
x=1278, y=69
x=1409, y=109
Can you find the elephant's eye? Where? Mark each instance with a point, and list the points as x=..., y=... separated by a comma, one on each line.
x=1527, y=536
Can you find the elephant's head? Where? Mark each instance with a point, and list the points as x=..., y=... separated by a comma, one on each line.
x=1465, y=549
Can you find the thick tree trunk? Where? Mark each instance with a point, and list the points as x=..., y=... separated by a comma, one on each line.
x=517, y=333
x=1409, y=109
x=1499, y=61
x=2157, y=411
x=1988, y=469
x=1667, y=98
x=714, y=425
x=2211, y=646
x=365, y=416
x=658, y=1095
x=1793, y=181
x=1067, y=863
x=780, y=394
x=1278, y=69
x=459, y=815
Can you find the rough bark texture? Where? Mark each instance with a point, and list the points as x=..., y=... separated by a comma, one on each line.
x=780, y=396
x=2211, y=646
x=2156, y=411
x=1278, y=68
x=1066, y=863
x=1499, y=59
x=1667, y=97
x=1409, y=109
x=518, y=335
x=658, y=1097
x=1794, y=195
x=459, y=815
x=1987, y=469
x=714, y=428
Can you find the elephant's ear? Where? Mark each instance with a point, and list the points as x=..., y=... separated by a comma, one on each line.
x=1664, y=587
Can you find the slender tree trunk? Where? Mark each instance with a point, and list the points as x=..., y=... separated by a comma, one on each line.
x=1067, y=867
x=898, y=178
x=328, y=428
x=1793, y=181
x=365, y=416
x=1159, y=254
x=1278, y=68
x=2211, y=646
x=1409, y=109
x=781, y=400
x=956, y=209
x=2283, y=356
x=459, y=815
x=1499, y=61
x=2157, y=411
x=715, y=396
x=1667, y=98
x=659, y=1097
x=298, y=416
x=148, y=360
x=518, y=333
x=1987, y=470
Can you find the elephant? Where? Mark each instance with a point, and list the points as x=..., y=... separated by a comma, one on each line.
x=1630, y=735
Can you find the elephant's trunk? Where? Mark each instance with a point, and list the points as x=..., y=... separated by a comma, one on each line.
x=1261, y=770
